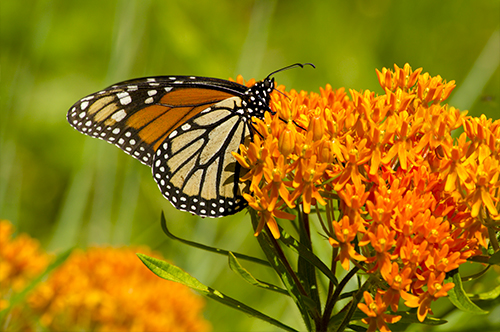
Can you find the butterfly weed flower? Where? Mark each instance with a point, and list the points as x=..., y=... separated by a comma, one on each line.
x=375, y=310
x=21, y=260
x=394, y=192
x=109, y=289
x=101, y=289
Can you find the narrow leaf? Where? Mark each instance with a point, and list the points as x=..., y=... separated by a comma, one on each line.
x=491, y=295
x=305, y=269
x=305, y=253
x=460, y=299
x=208, y=248
x=275, y=256
x=173, y=273
x=235, y=265
x=350, y=309
x=495, y=258
x=411, y=318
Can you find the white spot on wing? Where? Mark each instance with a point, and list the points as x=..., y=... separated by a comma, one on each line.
x=125, y=100
x=124, y=97
x=118, y=116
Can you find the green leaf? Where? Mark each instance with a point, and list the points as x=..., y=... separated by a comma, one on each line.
x=173, y=273
x=307, y=254
x=460, y=299
x=340, y=321
x=208, y=248
x=495, y=258
x=357, y=328
x=21, y=296
x=305, y=269
x=411, y=318
x=491, y=295
x=235, y=265
x=276, y=257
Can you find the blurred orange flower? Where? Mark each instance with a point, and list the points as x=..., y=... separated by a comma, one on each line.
x=101, y=289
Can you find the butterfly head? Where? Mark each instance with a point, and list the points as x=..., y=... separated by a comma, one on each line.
x=261, y=91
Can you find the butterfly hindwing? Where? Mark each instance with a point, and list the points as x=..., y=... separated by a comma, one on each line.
x=194, y=167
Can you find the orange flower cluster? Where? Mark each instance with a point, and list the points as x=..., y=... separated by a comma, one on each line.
x=413, y=203
x=103, y=289
x=21, y=259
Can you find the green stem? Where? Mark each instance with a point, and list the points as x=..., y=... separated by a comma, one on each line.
x=285, y=262
x=330, y=304
x=353, y=305
x=208, y=248
x=493, y=239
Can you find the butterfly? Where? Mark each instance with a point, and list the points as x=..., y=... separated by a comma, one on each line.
x=185, y=128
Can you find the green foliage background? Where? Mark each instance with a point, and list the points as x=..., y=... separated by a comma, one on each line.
x=66, y=189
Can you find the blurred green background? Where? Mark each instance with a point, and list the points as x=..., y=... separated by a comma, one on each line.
x=67, y=189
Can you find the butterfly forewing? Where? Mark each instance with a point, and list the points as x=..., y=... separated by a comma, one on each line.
x=137, y=115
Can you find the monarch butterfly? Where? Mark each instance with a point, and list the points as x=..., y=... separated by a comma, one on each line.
x=184, y=128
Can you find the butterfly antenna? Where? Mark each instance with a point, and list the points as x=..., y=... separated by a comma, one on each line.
x=301, y=65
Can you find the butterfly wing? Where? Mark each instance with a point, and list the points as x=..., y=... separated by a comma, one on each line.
x=185, y=128
x=137, y=115
x=194, y=167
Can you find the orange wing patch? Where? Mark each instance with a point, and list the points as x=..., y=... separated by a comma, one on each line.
x=156, y=122
x=146, y=115
x=194, y=97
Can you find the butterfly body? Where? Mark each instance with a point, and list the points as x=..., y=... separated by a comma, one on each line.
x=185, y=128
